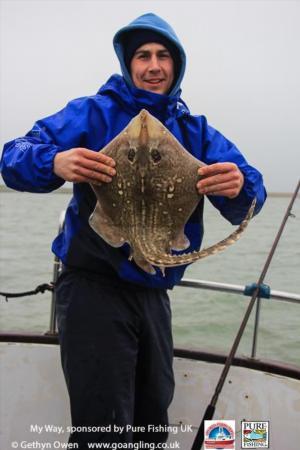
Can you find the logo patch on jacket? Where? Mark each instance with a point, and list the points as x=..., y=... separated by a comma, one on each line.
x=22, y=144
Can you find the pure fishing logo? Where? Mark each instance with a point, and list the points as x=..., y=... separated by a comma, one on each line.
x=219, y=434
x=255, y=434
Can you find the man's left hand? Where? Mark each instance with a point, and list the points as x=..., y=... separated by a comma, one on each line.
x=224, y=179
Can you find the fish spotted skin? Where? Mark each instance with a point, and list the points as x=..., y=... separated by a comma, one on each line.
x=152, y=196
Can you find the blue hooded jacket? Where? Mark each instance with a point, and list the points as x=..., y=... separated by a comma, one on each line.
x=92, y=122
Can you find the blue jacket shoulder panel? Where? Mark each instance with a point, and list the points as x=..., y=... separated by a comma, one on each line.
x=210, y=146
x=27, y=162
x=217, y=148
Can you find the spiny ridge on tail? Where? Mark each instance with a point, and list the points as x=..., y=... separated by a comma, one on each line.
x=167, y=260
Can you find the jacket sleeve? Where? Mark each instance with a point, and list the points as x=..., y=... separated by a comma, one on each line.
x=219, y=149
x=27, y=162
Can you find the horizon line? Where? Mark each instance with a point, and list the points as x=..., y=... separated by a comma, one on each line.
x=69, y=190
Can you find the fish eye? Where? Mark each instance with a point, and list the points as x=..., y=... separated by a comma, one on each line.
x=155, y=155
x=131, y=154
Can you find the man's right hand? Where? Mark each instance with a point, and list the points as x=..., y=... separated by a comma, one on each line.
x=80, y=165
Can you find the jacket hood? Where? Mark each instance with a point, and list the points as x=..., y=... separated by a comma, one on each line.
x=155, y=23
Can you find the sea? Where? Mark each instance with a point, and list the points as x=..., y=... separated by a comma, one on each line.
x=202, y=320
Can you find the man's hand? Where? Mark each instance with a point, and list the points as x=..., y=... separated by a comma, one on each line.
x=220, y=179
x=80, y=165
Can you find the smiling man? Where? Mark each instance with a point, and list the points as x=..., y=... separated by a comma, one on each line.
x=151, y=60
x=114, y=319
x=152, y=68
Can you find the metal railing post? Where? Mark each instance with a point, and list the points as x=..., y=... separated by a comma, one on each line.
x=57, y=267
x=256, y=325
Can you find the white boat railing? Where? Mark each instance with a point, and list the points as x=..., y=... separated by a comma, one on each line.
x=266, y=294
x=236, y=289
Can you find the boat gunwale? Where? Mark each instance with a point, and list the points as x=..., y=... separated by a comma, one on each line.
x=263, y=365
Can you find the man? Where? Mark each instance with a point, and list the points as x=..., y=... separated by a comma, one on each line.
x=114, y=319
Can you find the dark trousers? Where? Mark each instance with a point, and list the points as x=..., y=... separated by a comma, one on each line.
x=117, y=351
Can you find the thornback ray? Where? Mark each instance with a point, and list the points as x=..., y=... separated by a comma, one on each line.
x=153, y=194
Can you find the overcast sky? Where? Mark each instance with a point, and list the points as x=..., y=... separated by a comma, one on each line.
x=242, y=67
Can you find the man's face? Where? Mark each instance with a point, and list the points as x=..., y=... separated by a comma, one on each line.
x=152, y=68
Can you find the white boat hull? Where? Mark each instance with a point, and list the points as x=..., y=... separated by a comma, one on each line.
x=33, y=395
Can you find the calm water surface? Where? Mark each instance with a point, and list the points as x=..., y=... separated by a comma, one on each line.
x=203, y=320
